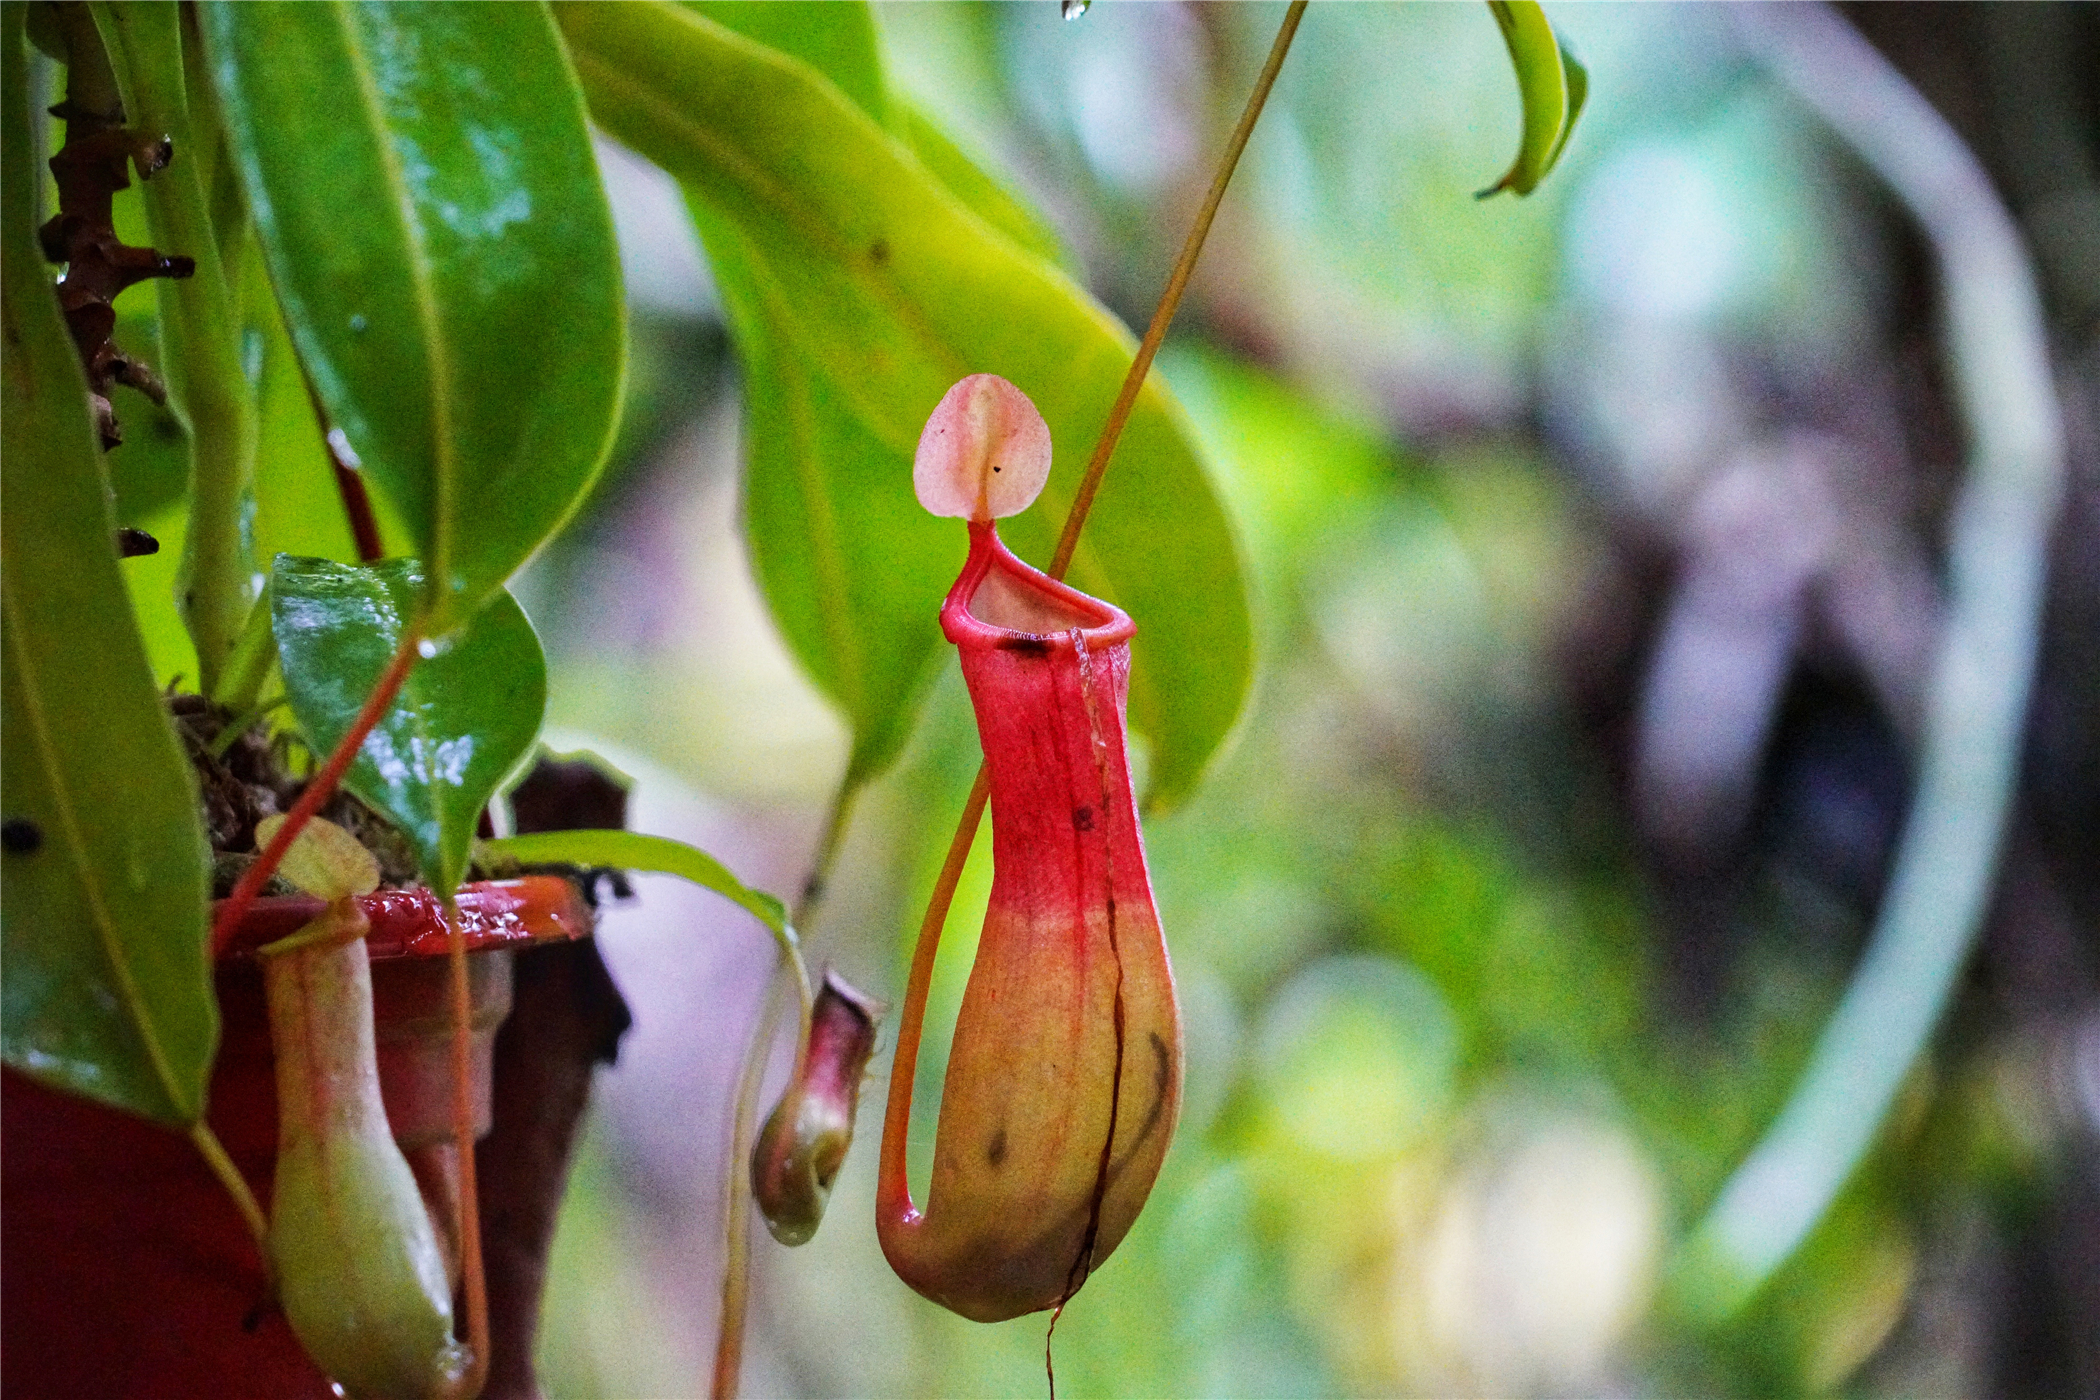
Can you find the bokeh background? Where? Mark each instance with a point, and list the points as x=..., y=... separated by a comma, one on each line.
x=1596, y=542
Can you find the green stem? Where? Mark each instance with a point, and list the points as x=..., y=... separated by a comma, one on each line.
x=247, y=666
x=826, y=854
x=736, y=1196
x=216, y=171
x=736, y=1181
x=1977, y=694
x=214, y=1153
x=200, y=327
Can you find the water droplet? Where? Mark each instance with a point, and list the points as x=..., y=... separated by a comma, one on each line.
x=358, y=323
x=428, y=648
x=1073, y=9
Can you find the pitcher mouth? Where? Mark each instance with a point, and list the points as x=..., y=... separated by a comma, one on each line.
x=1000, y=602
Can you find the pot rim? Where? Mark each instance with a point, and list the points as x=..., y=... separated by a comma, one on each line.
x=409, y=922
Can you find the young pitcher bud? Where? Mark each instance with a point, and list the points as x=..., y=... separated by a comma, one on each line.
x=798, y=1155
x=358, y=1266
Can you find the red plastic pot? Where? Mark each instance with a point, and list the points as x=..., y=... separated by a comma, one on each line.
x=129, y=1273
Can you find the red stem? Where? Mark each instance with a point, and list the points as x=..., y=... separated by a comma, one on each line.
x=235, y=907
x=470, y=1267
x=893, y=1187
x=357, y=504
x=350, y=485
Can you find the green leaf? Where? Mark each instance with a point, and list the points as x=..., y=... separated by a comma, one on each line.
x=1553, y=87
x=298, y=509
x=835, y=37
x=423, y=185
x=462, y=721
x=108, y=986
x=838, y=40
x=860, y=288
x=631, y=850
x=1578, y=80
x=979, y=191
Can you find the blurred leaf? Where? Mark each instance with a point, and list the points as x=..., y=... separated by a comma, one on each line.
x=424, y=189
x=835, y=37
x=631, y=850
x=1289, y=467
x=838, y=39
x=982, y=194
x=1553, y=87
x=462, y=721
x=108, y=988
x=860, y=290
x=1578, y=80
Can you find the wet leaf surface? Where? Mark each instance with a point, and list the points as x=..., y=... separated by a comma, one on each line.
x=442, y=247
x=464, y=718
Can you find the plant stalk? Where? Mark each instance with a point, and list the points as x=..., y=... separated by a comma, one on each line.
x=736, y=1188
x=200, y=321
x=214, y=1153
x=470, y=1267
x=736, y=1194
x=1170, y=299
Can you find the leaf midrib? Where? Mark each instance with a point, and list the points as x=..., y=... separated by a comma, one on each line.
x=422, y=278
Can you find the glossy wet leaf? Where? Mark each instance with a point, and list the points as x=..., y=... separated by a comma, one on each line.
x=632, y=850
x=1553, y=87
x=108, y=988
x=860, y=288
x=461, y=723
x=424, y=189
